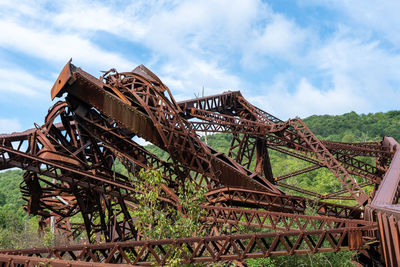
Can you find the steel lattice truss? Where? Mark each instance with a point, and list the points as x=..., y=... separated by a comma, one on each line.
x=69, y=169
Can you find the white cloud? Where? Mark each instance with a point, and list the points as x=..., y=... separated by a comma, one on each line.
x=179, y=35
x=189, y=79
x=363, y=68
x=281, y=38
x=305, y=100
x=9, y=125
x=368, y=15
x=57, y=47
x=352, y=75
x=25, y=8
x=16, y=80
x=207, y=43
x=192, y=43
x=208, y=29
x=192, y=30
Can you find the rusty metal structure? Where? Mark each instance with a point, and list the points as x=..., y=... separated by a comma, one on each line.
x=69, y=169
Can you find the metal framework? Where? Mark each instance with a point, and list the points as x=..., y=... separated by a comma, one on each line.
x=69, y=165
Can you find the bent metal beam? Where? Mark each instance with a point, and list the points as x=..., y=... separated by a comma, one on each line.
x=69, y=170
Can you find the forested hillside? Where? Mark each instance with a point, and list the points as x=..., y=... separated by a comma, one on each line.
x=349, y=127
x=352, y=127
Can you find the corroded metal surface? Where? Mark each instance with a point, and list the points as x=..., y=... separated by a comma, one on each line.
x=70, y=169
x=210, y=249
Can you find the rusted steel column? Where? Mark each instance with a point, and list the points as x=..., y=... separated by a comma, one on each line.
x=388, y=190
x=263, y=163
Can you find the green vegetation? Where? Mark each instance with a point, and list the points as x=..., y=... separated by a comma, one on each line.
x=17, y=229
x=170, y=223
x=352, y=127
x=156, y=219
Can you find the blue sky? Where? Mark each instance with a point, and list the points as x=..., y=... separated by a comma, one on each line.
x=290, y=58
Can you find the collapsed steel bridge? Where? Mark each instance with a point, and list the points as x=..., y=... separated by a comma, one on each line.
x=68, y=163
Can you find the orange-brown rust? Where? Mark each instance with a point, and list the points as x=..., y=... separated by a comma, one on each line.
x=62, y=79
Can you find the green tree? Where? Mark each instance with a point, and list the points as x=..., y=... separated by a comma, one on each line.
x=156, y=219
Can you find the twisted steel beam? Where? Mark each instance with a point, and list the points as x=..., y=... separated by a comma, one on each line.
x=70, y=169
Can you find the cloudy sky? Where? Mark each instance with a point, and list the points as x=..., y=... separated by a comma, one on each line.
x=290, y=58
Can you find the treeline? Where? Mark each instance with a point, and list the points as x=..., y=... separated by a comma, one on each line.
x=17, y=229
x=10, y=199
x=352, y=127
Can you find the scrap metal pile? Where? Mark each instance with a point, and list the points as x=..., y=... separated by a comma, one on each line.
x=69, y=169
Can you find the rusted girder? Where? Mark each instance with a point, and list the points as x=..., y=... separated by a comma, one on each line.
x=239, y=197
x=277, y=220
x=70, y=168
x=210, y=249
